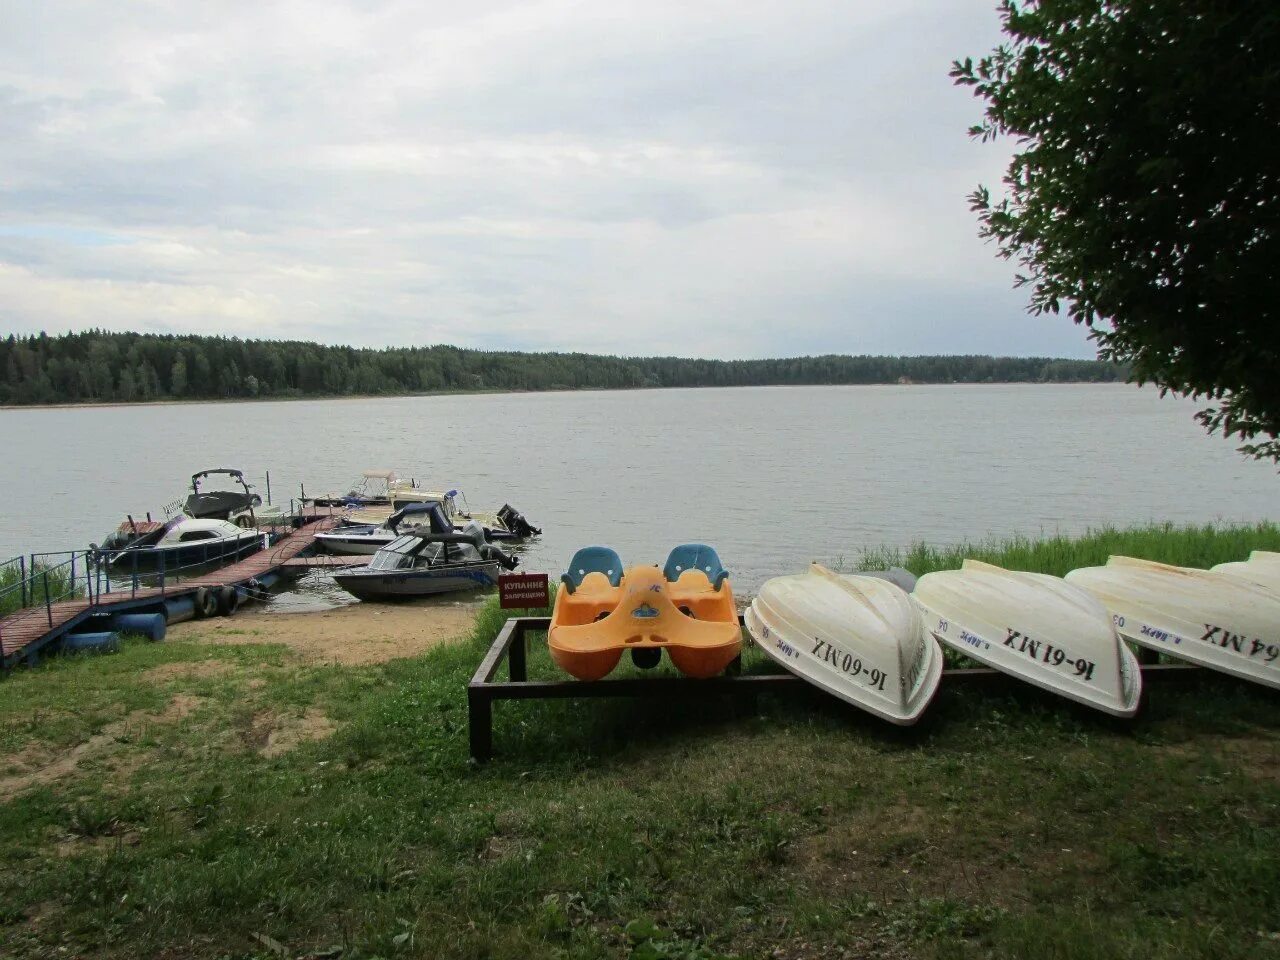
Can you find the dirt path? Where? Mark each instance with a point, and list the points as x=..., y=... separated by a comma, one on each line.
x=357, y=634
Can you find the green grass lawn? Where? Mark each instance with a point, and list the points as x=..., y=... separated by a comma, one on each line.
x=232, y=801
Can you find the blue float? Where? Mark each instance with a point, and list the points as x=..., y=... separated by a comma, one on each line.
x=149, y=625
x=108, y=642
x=180, y=609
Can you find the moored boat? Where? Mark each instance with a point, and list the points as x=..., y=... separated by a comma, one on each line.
x=427, y=563
x=181, y=541
x=239, y=504
x=1211, y=619
x=1036, y=627
x=858, y=637
x=372, y=487
x=506, y=523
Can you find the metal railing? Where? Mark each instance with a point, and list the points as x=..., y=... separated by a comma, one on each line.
x=31, y=581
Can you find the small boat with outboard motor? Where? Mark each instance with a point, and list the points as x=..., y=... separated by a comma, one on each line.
x=507, y=523
x=1262, y=568
x=359, y=539
x=180, y=541
x=437, y=559
x=1212, y=619
x=1036, y=627
x=859, y=637
x=685, y=608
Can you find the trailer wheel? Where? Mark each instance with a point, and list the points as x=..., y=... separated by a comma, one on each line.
x=206, y=603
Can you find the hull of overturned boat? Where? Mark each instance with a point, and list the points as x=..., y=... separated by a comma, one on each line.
x=1211, y=619
x=1262, y=569
x=423, y=582
x=859, y=638
x=1035, y=627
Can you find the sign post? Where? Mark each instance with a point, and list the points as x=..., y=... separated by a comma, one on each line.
x=523, y=591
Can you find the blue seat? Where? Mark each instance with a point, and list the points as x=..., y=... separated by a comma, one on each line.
x=592, y=560
x=695, y=556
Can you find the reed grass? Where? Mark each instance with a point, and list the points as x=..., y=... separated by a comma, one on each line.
x=55, y=578
x=1185, y=546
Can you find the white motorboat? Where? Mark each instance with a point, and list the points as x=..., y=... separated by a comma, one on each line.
x=1262, y=568
x=181, y=541
x=426, y=564
x=860, y=638
x=1211, y=619
x=1035, y=627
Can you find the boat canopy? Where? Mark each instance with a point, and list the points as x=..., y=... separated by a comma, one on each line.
x=430, y=510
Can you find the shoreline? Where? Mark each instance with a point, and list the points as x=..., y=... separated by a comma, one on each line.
x=115, y=404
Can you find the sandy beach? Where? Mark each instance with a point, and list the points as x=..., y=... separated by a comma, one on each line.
x=351, y=635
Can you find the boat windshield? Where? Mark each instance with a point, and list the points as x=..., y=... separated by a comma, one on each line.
x=397, y=555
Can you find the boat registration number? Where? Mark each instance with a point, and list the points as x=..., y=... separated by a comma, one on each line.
x=848, y=664
x=1046, y=652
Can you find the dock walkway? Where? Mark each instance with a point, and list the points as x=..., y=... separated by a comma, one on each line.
x=24, y=633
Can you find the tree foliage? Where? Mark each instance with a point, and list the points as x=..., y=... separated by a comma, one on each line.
x=1145, y=190
x=99, y=366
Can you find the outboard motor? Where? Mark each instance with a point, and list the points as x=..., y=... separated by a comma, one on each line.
x=489, y=552
x=516, y=523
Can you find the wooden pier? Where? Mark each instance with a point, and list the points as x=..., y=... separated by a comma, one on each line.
x=325, y=562
x=23, y=634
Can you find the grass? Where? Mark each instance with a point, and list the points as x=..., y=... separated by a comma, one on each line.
x=1010, y=824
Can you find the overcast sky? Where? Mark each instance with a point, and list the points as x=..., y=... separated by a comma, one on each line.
x=730, y=179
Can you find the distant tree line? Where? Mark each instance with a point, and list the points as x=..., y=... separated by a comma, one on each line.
x=99, y=366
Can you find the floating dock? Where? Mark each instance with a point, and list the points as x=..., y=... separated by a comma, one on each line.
x=24, y=634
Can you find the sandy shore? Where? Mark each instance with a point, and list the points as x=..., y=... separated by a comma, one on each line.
x=356, y=634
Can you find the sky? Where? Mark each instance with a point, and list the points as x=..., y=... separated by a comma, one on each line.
x=717, y=179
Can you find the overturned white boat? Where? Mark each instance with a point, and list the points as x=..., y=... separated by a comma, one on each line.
x=1035, y=627
x=859, y=638
x=1211, y=619
x=1262, y=568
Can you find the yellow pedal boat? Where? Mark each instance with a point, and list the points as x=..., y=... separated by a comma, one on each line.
x=685, y=608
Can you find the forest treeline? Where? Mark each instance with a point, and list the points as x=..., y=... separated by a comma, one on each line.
x=101, y=366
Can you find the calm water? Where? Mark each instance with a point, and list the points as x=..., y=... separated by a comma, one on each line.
x=773, y=477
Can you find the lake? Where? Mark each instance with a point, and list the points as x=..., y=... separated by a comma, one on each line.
x=772, y=476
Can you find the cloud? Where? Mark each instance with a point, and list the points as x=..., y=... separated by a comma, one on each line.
x=718, y=179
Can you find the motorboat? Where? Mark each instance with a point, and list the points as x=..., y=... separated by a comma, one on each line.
x=859, y=637
x=372, y=487
x=1215, y=620
x=685, y=608
x=239, y=503
x=506, y=523
x=1036, y=627
x=180, y=541
x=428, y=562
x=1262, y=568
x=357, y=539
